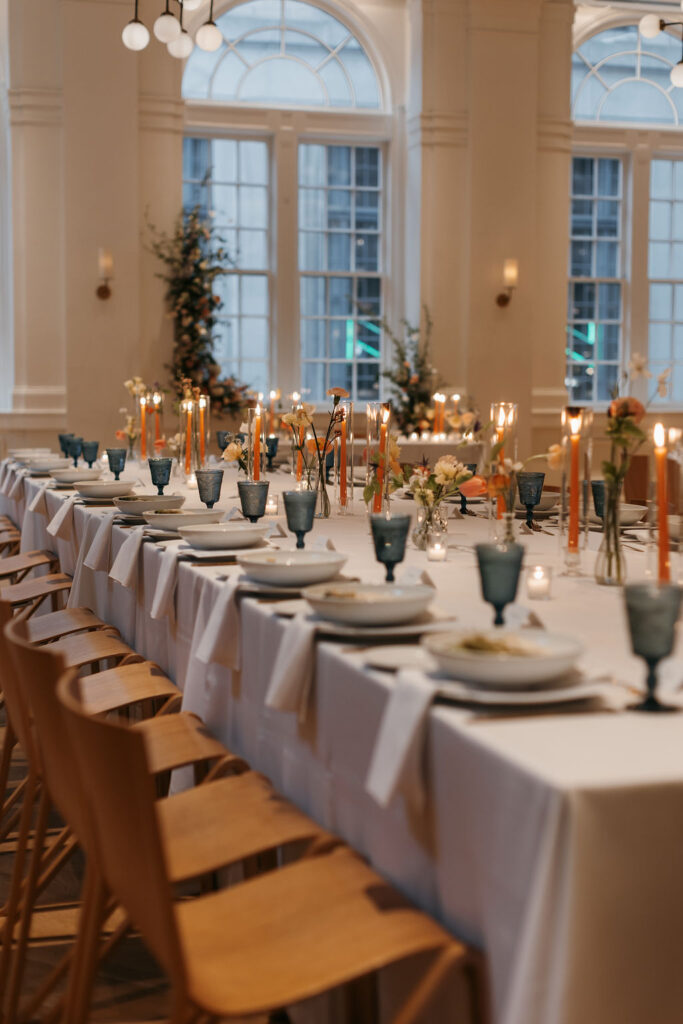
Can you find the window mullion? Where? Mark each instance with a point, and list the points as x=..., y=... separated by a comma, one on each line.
x=636, y=298
x=285, y=354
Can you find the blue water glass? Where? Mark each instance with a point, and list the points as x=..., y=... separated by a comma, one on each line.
x=117, y=460
x=223, y=438
x=300, y=512
x=530, y=487
x=253, y=495
x=74, y=448
x=499, y=568
x=271, y=451
x=652, y=610
x=472, y=466
x=598, y=489
x=64, y=443
x=90, y=450
x=209, y=482
x=389, y=537
x=160, y=471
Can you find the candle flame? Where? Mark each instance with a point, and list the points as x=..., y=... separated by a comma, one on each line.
x=156, y=398
x=455, y=398
x=143, y=400
x=257, y=410
x=202, y=402
x=659, y=435
x=501, y=417
x=273, y=395
x=539, y=572
x=575, y=425
x=386, y=413
x=296, y=397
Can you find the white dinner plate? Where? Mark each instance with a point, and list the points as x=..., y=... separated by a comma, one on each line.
x=549, y=657
x=138, y=504
x=72, y=476
x=569, y=690
x=218, y=536
x=170, y=520
x=186, y=551
x=103, y=488
x=291, y=568
x=394, y=657
x=369, y=604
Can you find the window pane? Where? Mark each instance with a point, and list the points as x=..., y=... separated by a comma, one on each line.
x=312, y=296
x=607, y=379
x=582, y=217
x=661, y=296
x=341, y=296
x=583, y=169
x=665, y=336
x=313, y=339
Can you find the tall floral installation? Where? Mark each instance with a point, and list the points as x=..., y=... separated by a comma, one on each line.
x=413, y=378
x=194, y=257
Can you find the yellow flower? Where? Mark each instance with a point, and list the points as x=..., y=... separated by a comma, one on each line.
x=555, y=456
x=301, y=417
x=447, y=469
x=234, y=452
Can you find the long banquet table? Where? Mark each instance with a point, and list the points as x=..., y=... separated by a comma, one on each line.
x=552, y=841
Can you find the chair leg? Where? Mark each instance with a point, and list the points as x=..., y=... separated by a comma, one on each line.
x=28, y=900
x=445, y=960
x=7, y=751
x=86, y=951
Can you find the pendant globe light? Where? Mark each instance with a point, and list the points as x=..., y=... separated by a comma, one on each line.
x=135, y=36
x=209, y=37
x=166, y=27
x=650, y=26
x=182, y=46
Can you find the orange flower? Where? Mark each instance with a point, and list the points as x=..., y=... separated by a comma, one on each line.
x=498, y=482
x=622, y=407
x=474, y=487
x=160, y=444
x=120, y=435
x=338, y=392
x=311, y=445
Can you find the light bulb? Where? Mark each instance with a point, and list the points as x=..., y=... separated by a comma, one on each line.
x=191, y=5
x=182, y=46
x=209, y=37
x=135, y=36
x=677, y=75
x=650, y=26
x=166, y=28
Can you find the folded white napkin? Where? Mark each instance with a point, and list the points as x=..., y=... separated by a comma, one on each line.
x=38, y=503
x=294, y=668
x=322, y=544
x=275, y=530
x=7, y=479
x=413, y=574
x=162, y=602
x=4, y=471
x=234, y=513
x=98, y=555
x=81, y=594
x=17, y=487
x=220, y=642
x=62, y=523
x=397, y=757
x=125, y=567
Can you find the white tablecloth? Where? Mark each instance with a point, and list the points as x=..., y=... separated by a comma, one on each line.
x=553, y=842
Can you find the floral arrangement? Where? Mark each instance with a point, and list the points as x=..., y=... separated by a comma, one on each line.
x=135, y=387
x=393, y=475
x=314, y=450
x=130, y=432
x=431, y=487
x=413, y=379
x=193, y=257
x=236, y=451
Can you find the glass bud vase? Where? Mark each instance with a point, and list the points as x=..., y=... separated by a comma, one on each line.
x=610, y=564
x=428, y=519
x=322, y=505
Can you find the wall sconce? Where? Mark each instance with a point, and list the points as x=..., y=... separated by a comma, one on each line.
x=510, y=281
x=105, y=266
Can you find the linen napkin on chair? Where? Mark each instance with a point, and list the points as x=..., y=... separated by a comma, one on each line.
x=397, y=757
x=292, y=677
x=97, y=557
x=16, y=488
x=38, y=503
x=162, y=602
x=220, y=642
x=125, y=567
x=62, y=523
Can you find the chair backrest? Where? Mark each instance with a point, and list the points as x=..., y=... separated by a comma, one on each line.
x=121, y=798
x=38, y=672
x=10, y=684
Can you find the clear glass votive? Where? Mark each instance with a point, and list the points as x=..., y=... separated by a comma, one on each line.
x=437, y=546
x=539, y=579
x=272, y=505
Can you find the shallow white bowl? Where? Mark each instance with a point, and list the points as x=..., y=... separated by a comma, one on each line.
x=556, y=656
x=138, y=504
x=28, y=453
x=217, y=536
x=629, y=515
x=103, y=488
x=369, y=604
x=291, y=568
x=549, y=499
x=170, y=520
x=47, y=463
x=72, y=476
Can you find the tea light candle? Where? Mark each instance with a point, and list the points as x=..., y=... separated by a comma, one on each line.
x=271, y=505
x=437, y=547
x=538, y=582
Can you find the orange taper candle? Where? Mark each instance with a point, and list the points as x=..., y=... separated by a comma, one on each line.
x=257, y=443
x=384, y=426
x=662, y=503
x=271, y=419
x=143, y=427
x=202, y=439
x=156, y=398
x=188, y=438
x=342, y=461
x=574, y=441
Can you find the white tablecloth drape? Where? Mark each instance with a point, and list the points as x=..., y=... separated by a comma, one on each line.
x=551, y=841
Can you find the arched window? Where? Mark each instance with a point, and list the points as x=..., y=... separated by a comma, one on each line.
x=305, y=223
x=626, y=228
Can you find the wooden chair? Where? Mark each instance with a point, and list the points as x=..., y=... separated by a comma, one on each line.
x=17, y=567
x=270, y=942
x=54, y=625
x=10, y=541
x=217, y=824
x=30, y=593
x=93, y=649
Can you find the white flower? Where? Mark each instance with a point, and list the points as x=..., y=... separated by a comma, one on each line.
x=637, y=367
x=513, y=467
x=663, y=383
x=234, y=452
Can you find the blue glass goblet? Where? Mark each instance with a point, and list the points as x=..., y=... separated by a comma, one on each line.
x=389, y=537
x=652, y=610
x=499, y=567
x=74, y=448
x=223, y=438
x=530, y=487
x=117, y=460
x=160, y=471
x=209, y=482
x=90, y=450
x=271, y=451
x=300, y=512
x=598, y=489
x=253, y=494
x=64, y=443
x=472, y=466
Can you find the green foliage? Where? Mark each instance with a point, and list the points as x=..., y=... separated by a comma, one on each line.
x=413, y=379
